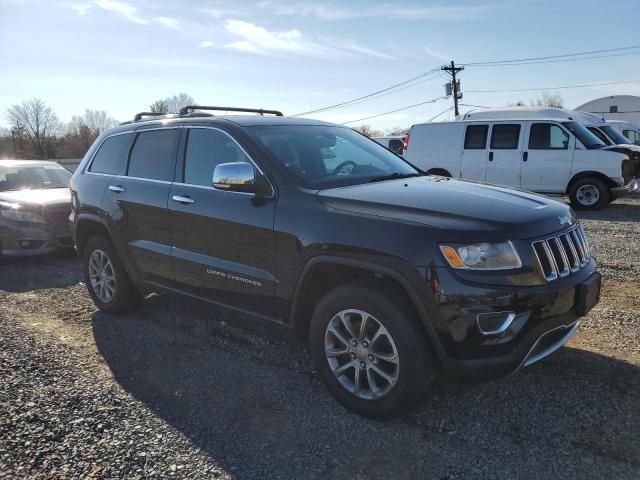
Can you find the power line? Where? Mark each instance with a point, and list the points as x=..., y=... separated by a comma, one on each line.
x=553, y=88
x=448, y=109
x=373, y=94
x=394, y=111
x=553, y=57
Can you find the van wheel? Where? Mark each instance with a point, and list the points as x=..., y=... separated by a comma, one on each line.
x=369, y=352
x=589, y=194
x=109, y=286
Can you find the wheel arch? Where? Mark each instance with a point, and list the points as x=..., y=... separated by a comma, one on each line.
x=443, y=172
x=327, y=272
x=589, y=174
x=88, y=226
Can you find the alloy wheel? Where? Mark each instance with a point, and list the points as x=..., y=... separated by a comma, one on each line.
x=102, y=276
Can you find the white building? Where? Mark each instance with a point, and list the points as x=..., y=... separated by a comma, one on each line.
x=616, y=107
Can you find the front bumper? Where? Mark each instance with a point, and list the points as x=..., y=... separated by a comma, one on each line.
x=26, y=239
x=632, y=186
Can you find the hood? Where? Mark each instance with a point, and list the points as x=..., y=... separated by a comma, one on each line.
x=454, y=205
x=632, y=150
x=42, y=197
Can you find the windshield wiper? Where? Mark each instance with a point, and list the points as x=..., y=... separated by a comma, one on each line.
x=394, y=176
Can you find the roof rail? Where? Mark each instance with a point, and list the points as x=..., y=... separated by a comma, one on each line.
x=138, y=116
x=184, y=110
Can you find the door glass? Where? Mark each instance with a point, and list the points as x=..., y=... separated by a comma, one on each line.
x=546, y=136
x=111, y=156
x=207, y=149
x=476, y=137
x=153, y=154
x=396, y=146
x=505, y=137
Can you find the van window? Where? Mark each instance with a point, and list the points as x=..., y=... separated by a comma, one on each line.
x=396, y=145
x=600, y=135
x=111, y=156
x=505, y=136
x=632, y=135
x=206, y=149
x=546, y=136
x=153, y=154
x=476, y=137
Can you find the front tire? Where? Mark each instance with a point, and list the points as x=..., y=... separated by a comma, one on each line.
x=107, y=282
x=589, y=194
x=369, y=352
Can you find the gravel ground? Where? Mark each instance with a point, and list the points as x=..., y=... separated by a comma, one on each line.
x=183, y=389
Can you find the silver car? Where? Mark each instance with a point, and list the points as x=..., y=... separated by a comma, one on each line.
x=34, y=207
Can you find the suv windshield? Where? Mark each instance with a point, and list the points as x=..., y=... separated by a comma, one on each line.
x=23, y=176
x=615, y=135
x=588, y=139
x=325, y=157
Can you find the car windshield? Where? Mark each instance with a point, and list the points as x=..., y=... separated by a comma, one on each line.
x=588, y=139
x=17, y=176
x=326, y=156
x=615, y=135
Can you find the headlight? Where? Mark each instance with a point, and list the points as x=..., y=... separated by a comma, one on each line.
x=11, y=211
x=482, y=256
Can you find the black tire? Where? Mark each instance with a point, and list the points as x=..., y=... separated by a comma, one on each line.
x=583, y=192
x=417, y=368
x=126, y=296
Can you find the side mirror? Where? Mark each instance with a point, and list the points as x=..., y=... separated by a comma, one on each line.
x=235, y=177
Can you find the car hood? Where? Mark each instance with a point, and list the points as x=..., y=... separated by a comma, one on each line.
x=450, y=204
x=42, y=197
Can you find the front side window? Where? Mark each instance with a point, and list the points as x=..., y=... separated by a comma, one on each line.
x=17, y=176
x=505, y=136
x=547, y=136
x=318, y=156
x=475, y=137
x=632, y=135
x=111, y=157
x=153, y=154
x=205, y=150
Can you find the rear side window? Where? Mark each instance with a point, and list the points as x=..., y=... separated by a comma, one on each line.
x=476, y=137
x=207, y=149
x=505, y=137
x=396, y=145
x=111, y=156
x=547, y=136
x=153, y=154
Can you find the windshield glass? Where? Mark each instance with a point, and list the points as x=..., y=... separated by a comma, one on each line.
x=16, y=176
x=588, y=139
x=325, y=157
x=615, y=135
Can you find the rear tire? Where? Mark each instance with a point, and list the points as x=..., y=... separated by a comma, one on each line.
x=360, y=370
x=107, y=282
x=589, y=194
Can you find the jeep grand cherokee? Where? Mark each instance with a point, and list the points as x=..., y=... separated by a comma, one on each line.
x=391, y=276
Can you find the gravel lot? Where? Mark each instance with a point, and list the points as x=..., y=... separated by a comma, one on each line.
x=183, y=389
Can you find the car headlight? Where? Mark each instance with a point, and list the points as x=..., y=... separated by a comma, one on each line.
x=11, y=211
x=482, y=256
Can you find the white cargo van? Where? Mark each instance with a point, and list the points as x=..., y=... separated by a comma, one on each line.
x=518, y=148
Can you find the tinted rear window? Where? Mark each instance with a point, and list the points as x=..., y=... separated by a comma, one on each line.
x=505, y=137
x=153, y=155
x=476, y=137
x=111, y=156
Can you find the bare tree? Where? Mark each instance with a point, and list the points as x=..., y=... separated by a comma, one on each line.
x=548, y=99
x=38, y=122
x=172, y=104
x=86, y=128
x=367, y=130
x=159, y=106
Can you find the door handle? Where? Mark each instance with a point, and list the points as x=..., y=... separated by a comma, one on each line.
x=182, y=199
x=116, y=188
x=491, y=156
x=525, y=156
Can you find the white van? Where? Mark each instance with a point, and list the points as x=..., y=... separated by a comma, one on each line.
x=518, y=148
x=395, y=143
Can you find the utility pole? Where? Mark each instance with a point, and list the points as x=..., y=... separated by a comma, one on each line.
x=452, y=70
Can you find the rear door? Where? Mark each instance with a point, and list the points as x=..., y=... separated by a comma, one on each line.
x=223, y=242
x=474, y=152
x=547, y=160
x=505, y=154
x=138, y=204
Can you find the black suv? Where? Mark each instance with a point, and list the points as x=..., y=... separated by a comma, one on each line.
x=391, y=276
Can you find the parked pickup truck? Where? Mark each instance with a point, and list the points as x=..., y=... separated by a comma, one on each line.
x=391, y=277
x=528, y=150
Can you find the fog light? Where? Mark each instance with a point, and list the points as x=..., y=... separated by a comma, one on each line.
x=495, y=323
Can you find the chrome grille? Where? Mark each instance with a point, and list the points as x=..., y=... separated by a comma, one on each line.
x=563, y=254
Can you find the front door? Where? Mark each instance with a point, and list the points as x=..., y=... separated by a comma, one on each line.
x=547, y=160
x=505, y=152
x=474, y=153
x=223, y=242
